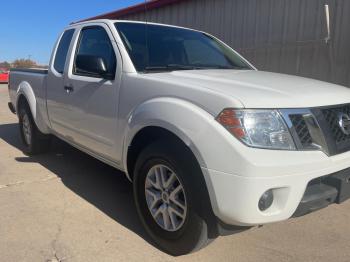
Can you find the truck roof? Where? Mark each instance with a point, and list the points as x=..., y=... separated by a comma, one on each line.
x=126, y=21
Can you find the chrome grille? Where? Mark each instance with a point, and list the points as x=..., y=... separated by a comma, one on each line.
x=319, y=128
x=305, y=129
x=301, y=129
x=331, y=116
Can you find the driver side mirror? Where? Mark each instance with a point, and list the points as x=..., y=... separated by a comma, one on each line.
x=93, y=66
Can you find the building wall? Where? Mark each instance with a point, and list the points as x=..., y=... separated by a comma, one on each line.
x=284, y=36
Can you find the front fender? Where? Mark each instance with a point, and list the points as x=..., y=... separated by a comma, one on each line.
x=25, y=89
x=197, y=128
x=182, y=118
x=213, y=146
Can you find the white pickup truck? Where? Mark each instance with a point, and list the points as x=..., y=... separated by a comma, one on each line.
x=211, y=144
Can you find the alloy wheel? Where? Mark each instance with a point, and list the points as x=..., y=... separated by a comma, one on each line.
x=166, y=198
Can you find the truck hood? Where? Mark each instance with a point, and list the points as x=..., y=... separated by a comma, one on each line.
x=258, y=89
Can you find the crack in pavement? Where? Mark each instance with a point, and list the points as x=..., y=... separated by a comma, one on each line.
x=18, y=183
x=54, y=248
x=56, y=259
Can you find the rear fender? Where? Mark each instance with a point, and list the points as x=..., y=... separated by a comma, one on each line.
x=25, y=89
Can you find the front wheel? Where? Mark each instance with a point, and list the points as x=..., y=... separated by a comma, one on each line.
x=167, y=198
x=33, y=140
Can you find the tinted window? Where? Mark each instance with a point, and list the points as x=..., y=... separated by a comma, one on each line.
x=162, y=47
x=202, y=53
x=94, y=41
x=62, y=50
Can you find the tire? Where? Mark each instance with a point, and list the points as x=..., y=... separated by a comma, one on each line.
x=33, y=140
x=193, y=232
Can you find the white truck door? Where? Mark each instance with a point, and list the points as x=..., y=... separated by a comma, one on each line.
x=92, y=101
x=56, y=95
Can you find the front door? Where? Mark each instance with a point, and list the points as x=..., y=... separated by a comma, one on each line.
x=91, y=102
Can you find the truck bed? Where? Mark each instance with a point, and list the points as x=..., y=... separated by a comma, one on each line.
x=32, y=79
x=31, y=70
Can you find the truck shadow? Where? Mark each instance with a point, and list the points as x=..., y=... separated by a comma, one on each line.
x=101, y=185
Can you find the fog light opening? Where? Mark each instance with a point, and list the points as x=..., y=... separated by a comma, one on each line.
x=266, y=200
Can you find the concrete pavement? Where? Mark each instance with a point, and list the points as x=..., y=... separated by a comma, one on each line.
x=67, y=206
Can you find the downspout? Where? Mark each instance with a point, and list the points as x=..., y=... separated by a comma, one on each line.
x=329, y=43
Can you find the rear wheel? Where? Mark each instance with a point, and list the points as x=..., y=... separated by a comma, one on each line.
x=168, y=200
x=34, y=141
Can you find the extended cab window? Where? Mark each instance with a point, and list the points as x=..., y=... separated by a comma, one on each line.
x=95, y=42
x=62, y=50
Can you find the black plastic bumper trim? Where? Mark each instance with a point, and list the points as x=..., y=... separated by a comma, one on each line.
x=324, y=191
x=316, y=197
x=227, y=230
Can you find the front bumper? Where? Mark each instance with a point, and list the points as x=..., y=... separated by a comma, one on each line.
x=235, y=197
x=324, y=191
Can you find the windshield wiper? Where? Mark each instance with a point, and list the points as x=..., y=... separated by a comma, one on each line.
x=171, y=67
x=234, y=67
x=174, y=67
x=220, y=67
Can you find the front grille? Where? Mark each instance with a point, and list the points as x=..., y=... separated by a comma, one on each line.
x=318, y=128
x=331, y=116
x=301, y=129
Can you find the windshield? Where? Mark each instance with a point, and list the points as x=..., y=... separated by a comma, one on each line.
x=170, y=48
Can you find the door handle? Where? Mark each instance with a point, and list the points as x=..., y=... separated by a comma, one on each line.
x=69, y=89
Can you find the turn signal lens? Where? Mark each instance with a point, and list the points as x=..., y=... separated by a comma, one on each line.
x=238, y=132
x=229, y=118
x=232, y=121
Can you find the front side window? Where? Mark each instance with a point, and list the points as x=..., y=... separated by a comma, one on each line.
x=62, y=50
x=157, y=47
x=95, y=42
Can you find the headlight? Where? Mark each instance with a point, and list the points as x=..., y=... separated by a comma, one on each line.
x=258, y=128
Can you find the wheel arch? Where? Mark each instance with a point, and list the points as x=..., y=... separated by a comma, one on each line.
x=150, y=134
x=25, y=94
x=165, y=117
x=21, y=101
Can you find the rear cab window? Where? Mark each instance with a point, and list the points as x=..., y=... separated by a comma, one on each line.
x=62, y=50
